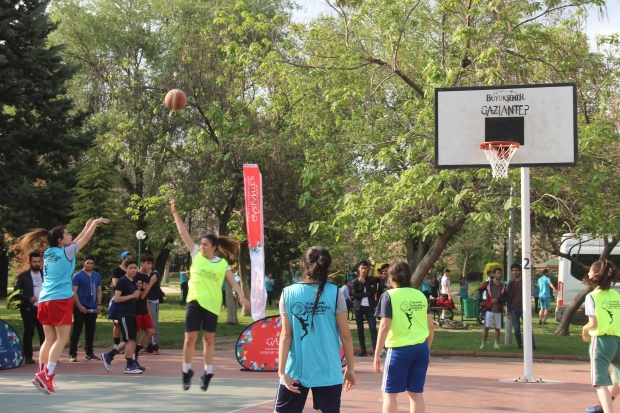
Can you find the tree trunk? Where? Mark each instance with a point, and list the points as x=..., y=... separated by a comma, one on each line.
x=164, y=254
x=435, y=252
x=563, y=328
x=416, y=250
x=244, y=274
x=465, y=263
x=4, y=267
x=231, y=305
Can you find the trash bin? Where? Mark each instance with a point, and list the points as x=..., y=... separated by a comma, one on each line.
x=470, y=307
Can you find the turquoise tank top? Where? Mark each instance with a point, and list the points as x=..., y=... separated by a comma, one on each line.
x=58, y=271
x=314, y=356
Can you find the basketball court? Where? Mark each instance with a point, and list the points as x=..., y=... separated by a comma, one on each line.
x=455, y=384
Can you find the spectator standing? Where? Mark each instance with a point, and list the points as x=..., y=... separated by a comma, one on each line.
x=153, y=297
x=183, y=279
x=87, y=296
x=434, y=284
x=144, y=320
x=494, y=304
x=544, y=287
x=463, y=290
x=445, y=289
x=514, y=303
x=30, y=282
x=426, y=287
x=347, y=294
x=536, y=292
x=269, y=283
x=364, y=306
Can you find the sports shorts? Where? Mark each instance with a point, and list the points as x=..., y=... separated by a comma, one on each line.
x=405, y=369
x=144, y=322
x=604, y=351
x=544, y=302
x=56, y=312
x=129, y=330
x=493, y=320
x=326, y=399
x=197, y=317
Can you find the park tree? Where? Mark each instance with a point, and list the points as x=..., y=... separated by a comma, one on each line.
x=388, y=57
x=40, y=129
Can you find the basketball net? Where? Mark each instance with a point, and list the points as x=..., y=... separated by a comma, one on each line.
x=499, y=155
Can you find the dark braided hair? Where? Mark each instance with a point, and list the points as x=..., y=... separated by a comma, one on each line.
x=316, y=262
x=605, y=275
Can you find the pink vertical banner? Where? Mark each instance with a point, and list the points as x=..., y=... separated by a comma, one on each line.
x=253, y=186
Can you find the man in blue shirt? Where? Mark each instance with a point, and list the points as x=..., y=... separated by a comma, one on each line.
x=544, y=295
x=87, y=296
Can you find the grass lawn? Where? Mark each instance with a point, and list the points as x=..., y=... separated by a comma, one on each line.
x=172, y=317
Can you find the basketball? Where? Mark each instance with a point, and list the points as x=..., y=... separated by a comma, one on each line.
x=175, y=99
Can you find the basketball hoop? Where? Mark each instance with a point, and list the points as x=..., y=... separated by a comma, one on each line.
x=499, y=154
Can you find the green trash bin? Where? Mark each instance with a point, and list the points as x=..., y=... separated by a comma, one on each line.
x=470, y=307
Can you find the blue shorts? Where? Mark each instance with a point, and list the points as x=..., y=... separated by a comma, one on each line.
x=405, y=369
x=544, y=302
x=326, y=398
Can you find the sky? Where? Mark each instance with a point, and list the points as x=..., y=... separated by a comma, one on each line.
x=608, y=25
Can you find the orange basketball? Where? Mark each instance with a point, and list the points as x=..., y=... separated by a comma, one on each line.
x=175, y=99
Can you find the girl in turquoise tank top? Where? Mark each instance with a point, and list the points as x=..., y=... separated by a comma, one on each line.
x=55, y=309
x=204, y=298
x=314, y=317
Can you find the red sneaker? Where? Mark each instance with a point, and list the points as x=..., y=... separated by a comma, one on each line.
x=155, y=350
x=44, y=383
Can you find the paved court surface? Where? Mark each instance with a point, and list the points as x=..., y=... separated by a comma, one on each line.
x=454, y=384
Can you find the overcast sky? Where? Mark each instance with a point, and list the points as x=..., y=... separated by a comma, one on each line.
x=610, y=24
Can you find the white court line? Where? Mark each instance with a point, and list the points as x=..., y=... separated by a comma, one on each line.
x=247, y=406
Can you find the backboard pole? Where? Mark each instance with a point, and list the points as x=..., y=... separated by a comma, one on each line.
x=511, y=249
x=528, y=376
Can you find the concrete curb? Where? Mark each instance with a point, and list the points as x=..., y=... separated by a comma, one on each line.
x=474, y=353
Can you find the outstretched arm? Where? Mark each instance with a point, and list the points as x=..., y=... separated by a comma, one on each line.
x=81, y=235
x=88, y=232
x=189, y=243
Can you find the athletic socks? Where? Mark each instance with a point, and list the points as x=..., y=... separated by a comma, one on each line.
x=138, y=348
x=113, y=352
x=129, y=361
x=117, y=341
x=186, y=367
x=484, y=343
x=496, y=342
x=50, y=368
x=209, y=368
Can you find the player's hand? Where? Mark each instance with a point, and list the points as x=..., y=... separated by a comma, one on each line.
x=585, y=335
x=136, y=294
x=289, y=383
x=377, y=362
x=173, y=206
x=102, y=220
x=493, y=300
x=139, y=285
x=82, y=309
x=33, y=300
x=349, y=379
x=245, y=302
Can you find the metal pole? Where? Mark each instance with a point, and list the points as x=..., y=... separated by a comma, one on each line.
x=139, y=250
x=528, y=375
x=511, y=248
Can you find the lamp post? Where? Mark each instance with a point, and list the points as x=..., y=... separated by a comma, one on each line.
x=140, y=235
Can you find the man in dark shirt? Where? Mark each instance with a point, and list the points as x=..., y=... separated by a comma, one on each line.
x=30, y=282
x=125, y=295
x=143, y=316
x=117, y=274
x=364, y=289
x=515, y=303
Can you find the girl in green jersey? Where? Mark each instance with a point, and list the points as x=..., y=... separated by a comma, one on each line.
x=204, y=298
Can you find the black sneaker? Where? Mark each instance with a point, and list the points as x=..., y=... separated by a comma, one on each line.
x=138, y=365
x=91, y=356
x=29, y=361
x=72, y=358
x=204, y=381
x=187, y=379
x=362, y=354
x=595, y=409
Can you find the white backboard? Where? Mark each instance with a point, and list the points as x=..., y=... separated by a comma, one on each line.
x=542, y=118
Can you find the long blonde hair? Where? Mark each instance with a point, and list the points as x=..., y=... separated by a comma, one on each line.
x=40, y=235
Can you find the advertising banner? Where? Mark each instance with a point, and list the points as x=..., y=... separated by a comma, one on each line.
x=253, y=186
x=11, y=348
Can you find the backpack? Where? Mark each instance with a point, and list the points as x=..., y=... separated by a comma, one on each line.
x=112, y=309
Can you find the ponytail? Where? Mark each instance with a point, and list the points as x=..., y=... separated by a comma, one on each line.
x=39, y=234
x=227, y=245
x=316, y=263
